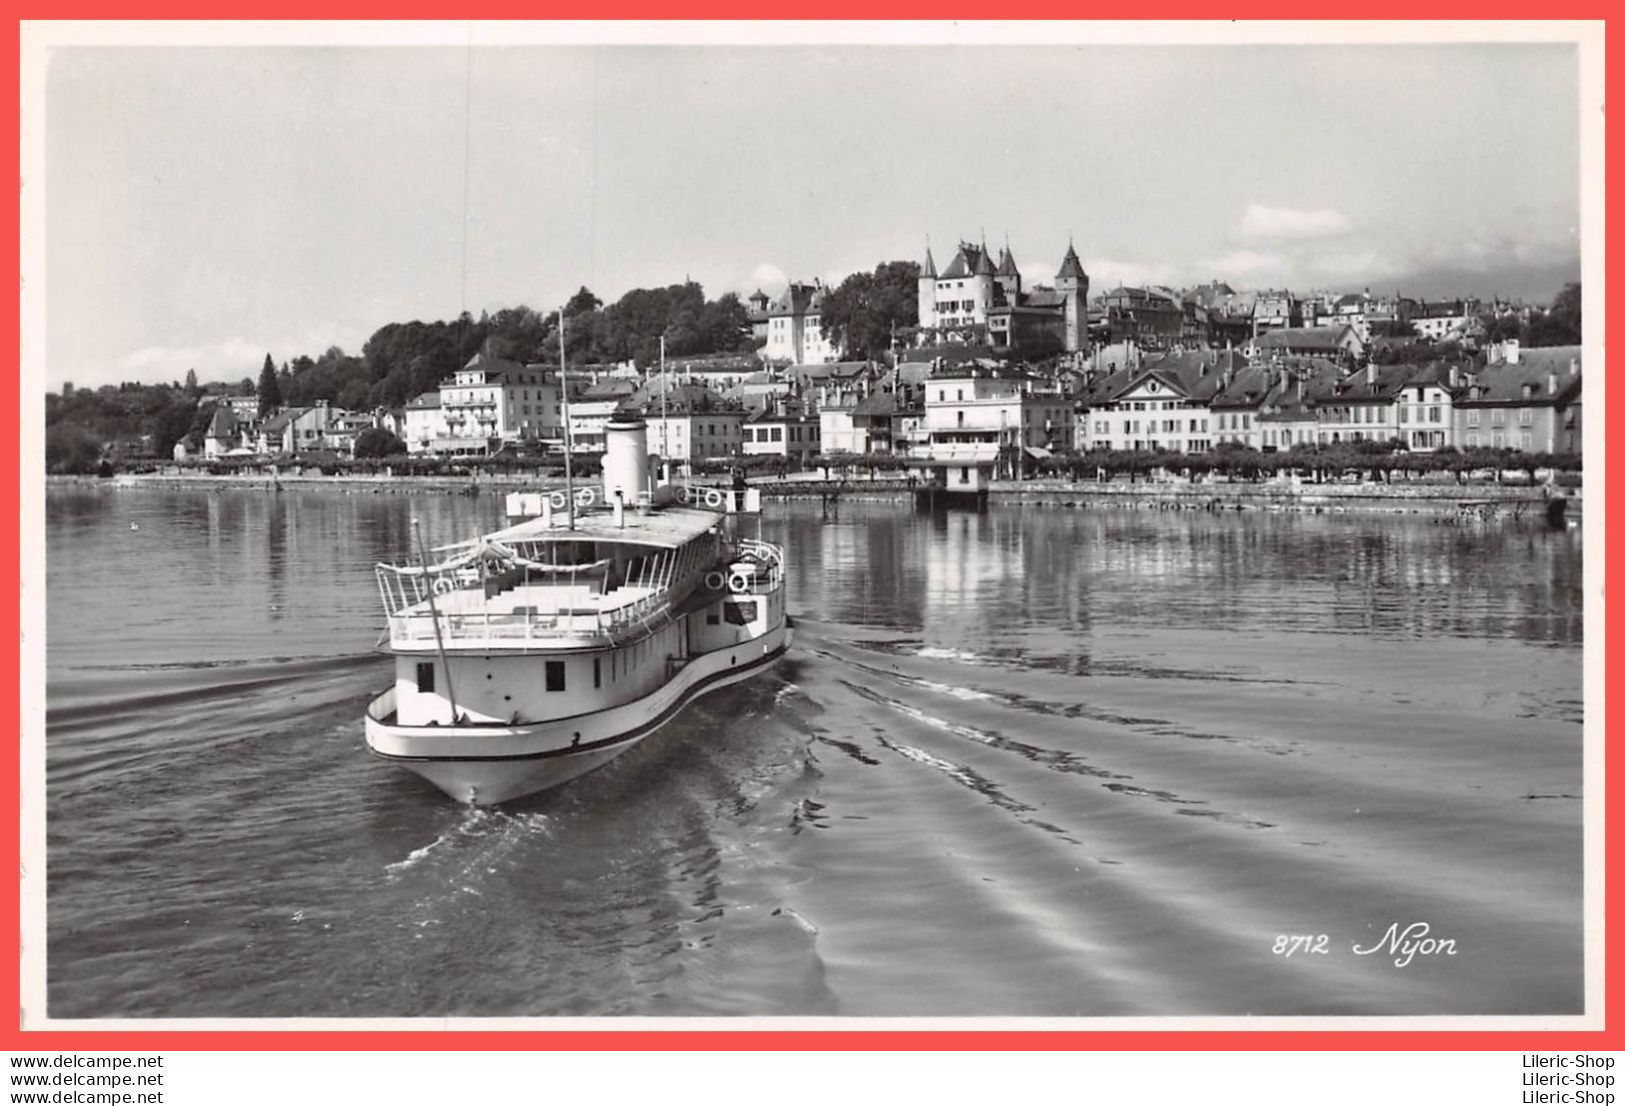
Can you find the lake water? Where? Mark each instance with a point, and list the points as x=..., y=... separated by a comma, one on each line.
x=1029, y=762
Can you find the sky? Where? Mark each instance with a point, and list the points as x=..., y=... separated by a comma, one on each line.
x=206, y=205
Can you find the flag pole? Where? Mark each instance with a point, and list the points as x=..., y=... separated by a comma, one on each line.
x=564, y=397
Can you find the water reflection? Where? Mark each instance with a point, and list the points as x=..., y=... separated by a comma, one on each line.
x=981, y=578
x=291, y=573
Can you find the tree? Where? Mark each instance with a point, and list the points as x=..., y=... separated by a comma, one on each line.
x=270, y=391
x=375, y=442
x=191, y=382
x=172, y=424
x=859, y=316
x=1559, y=325
x=582, y=302
x=1498, y=328
x=71, y=448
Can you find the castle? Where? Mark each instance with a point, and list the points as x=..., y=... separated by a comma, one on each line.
x=976, y=301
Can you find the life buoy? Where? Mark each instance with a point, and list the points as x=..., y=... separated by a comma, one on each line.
x=585, y=497
x=682, y=493
x=557, y=499
x=737, y=582
x=713, y=498
x=443, y=586
x=713, y=581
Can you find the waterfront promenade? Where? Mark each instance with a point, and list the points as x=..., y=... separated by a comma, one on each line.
x=1407, y=497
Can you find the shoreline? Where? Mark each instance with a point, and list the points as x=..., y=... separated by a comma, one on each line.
x=1450, y=499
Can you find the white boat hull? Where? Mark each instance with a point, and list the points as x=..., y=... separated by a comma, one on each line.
x=488, y=764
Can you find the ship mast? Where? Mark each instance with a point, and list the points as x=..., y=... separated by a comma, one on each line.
x=564, y=399
x=665, y=459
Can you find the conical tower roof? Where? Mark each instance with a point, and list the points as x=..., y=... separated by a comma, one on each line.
x=1007, y=263
x=930, y=269
x=1071, y=266
x=984, y=266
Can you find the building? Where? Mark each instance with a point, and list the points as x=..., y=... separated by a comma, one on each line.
x=491, y=400
x=756, y=314
x=247, y=407
x=839, y=430
x=761, y=390
x=795, y=330
x=345, y=429
x=1363, y=406
x=1339, y=341
x=975, y=300
x=891, y=415
x=1152, y=318
x=1525, y=399
x=224, y=433
x=687, y=422
x=693, y=435
x=1288, y=416
x=1425, y=404
x=1447, y=320
x=1276, y=309
x=720, y=373
x=1158, y=403
x=780, y=432
x=589, y=422
x=1237, y=407
x=982, y=424
x=425, y=423
x=812, y=383
x=297, y=428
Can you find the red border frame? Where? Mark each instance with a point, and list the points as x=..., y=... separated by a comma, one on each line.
x=1610, y=1038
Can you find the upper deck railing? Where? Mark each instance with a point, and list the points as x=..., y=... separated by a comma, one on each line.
x=497, y=597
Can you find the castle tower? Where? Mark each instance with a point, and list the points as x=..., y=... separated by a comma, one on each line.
x=1073, y=284
x=1008, y=276
x=928, y=291
x=983, y=279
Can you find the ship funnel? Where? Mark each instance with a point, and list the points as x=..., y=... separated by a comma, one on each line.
x=626, y=460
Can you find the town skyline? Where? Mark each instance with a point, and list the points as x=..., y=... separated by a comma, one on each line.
x=209, y=205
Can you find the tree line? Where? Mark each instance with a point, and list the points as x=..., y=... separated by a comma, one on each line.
x=399, y=361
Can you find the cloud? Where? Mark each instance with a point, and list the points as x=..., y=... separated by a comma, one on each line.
x=228, y=359
x=1106, y=273
x=768, y=277
x=1262, y=221
x=216, y=361
x=1364, y=265
x=1486, y=247
x=1247, y=263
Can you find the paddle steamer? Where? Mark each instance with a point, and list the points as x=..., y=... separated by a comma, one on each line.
x=534, y=654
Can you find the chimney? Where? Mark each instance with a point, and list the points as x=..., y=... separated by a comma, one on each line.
x=1371, y=375
x=1574, y=366
x=1512, y=351
x=1453, y=376
x=1551, y=384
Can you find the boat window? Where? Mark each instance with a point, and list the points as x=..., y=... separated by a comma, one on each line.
x=555, y=675
x=426, y=678
x=738, y=612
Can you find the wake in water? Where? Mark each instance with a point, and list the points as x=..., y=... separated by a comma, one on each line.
x=1036, y=785
x=1150, y=835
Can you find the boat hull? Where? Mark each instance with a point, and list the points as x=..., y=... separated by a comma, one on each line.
x=483, y=765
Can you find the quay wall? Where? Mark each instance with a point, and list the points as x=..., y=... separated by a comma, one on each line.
x=1405, y=498
x=1400, y=498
